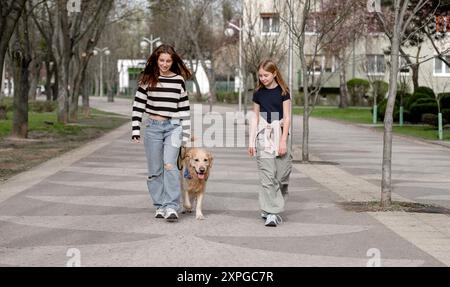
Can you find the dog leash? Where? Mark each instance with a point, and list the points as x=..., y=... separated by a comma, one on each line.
x=180, y=158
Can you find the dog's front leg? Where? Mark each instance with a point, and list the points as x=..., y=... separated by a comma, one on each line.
x=187, y=201
x=198, y=207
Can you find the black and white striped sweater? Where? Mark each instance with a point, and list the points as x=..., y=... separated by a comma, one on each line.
x=168, y=99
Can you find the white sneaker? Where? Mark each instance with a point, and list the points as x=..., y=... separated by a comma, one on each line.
x=159, y=213
x=264, y=214
x=171, y=215
x=273, y=220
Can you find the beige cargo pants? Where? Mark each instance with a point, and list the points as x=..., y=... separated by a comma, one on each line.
x=274, y=175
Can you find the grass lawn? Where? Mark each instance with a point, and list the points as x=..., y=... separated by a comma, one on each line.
x=48, y=139
x=354, y=115
x=363, y=115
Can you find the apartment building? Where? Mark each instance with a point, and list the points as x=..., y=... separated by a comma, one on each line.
x=365, y=58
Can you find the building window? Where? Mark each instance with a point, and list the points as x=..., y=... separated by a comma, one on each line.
x=320, y=64
x=270, y=23
x=440, y=68
x=375, y=64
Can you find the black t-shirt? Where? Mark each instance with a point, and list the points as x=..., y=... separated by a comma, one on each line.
x=270, y=102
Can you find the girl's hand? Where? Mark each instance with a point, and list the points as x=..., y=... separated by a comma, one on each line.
x=251, y=151
x=282, y=149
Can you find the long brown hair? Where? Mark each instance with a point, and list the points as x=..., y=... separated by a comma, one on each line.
x=151, y=73
x=270, y=66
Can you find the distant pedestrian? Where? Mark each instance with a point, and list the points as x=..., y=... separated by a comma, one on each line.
x=162, y=95
x=270, y=140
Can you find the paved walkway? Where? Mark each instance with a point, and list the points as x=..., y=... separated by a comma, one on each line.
x=91, y=206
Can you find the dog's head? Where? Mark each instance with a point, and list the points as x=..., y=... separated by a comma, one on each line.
x=199, y=163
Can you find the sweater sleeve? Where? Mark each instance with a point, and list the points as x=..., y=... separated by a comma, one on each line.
x=185, y=115
x=139, y=103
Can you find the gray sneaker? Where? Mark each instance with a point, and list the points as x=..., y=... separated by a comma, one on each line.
x=159, y=213
x=264, y=214
x=273, y=220
x=171, y=215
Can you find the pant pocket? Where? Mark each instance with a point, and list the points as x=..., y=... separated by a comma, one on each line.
x=175, y=122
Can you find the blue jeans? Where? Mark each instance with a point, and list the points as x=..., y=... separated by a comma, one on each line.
x=162, y=142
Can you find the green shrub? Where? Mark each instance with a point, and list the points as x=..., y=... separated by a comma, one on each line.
x=430, y=119
x=3, y=115
x=444, y=100
x=357, y=88
x=381, y=87
x=382, y=107
x=42, y=106
x=7, y=103
x=412, y=100
x=417, y=110
x=446, y=115
x=231, y=98
x=298, y=99
x=220, y=96
x=425, y=101
x=381, y=110
x=425, y=90
x=403, y=100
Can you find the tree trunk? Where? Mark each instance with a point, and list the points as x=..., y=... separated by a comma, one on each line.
x=343, y=96
x=2, y=71
x=386, y=183
x=48, y=84
x=109, y=91
x=64, y=42
x=305, y=137
x=34, y=75
x=97, y=86
x=21, y=89
x=415, y=76
x=10, y=12
x=21, y=59
x=198, y=94
x=73, y=108
x=85, y=99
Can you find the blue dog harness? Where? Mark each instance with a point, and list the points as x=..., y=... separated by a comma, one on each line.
x=186, y=174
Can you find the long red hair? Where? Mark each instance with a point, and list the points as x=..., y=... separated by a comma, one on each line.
x=151, y=73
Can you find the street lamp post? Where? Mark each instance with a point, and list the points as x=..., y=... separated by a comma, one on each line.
x=290, y=74
x=230, y=32
x=146, y=41
x=101, y=52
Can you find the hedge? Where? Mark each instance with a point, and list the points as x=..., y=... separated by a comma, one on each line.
x=425, y=90
x=417, y=110
x=444, y=100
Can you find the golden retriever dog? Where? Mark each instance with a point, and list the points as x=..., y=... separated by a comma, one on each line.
x=196, y=166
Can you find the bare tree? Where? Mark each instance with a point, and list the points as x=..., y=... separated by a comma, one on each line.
x=20, y=54
x=10, y=11
x=403, y=14
x=265, y=45
x=310, y=50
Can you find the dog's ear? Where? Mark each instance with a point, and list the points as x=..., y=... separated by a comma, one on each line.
x=187, y=156
x=210, y=158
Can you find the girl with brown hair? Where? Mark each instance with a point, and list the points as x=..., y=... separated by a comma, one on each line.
x=162, y=95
